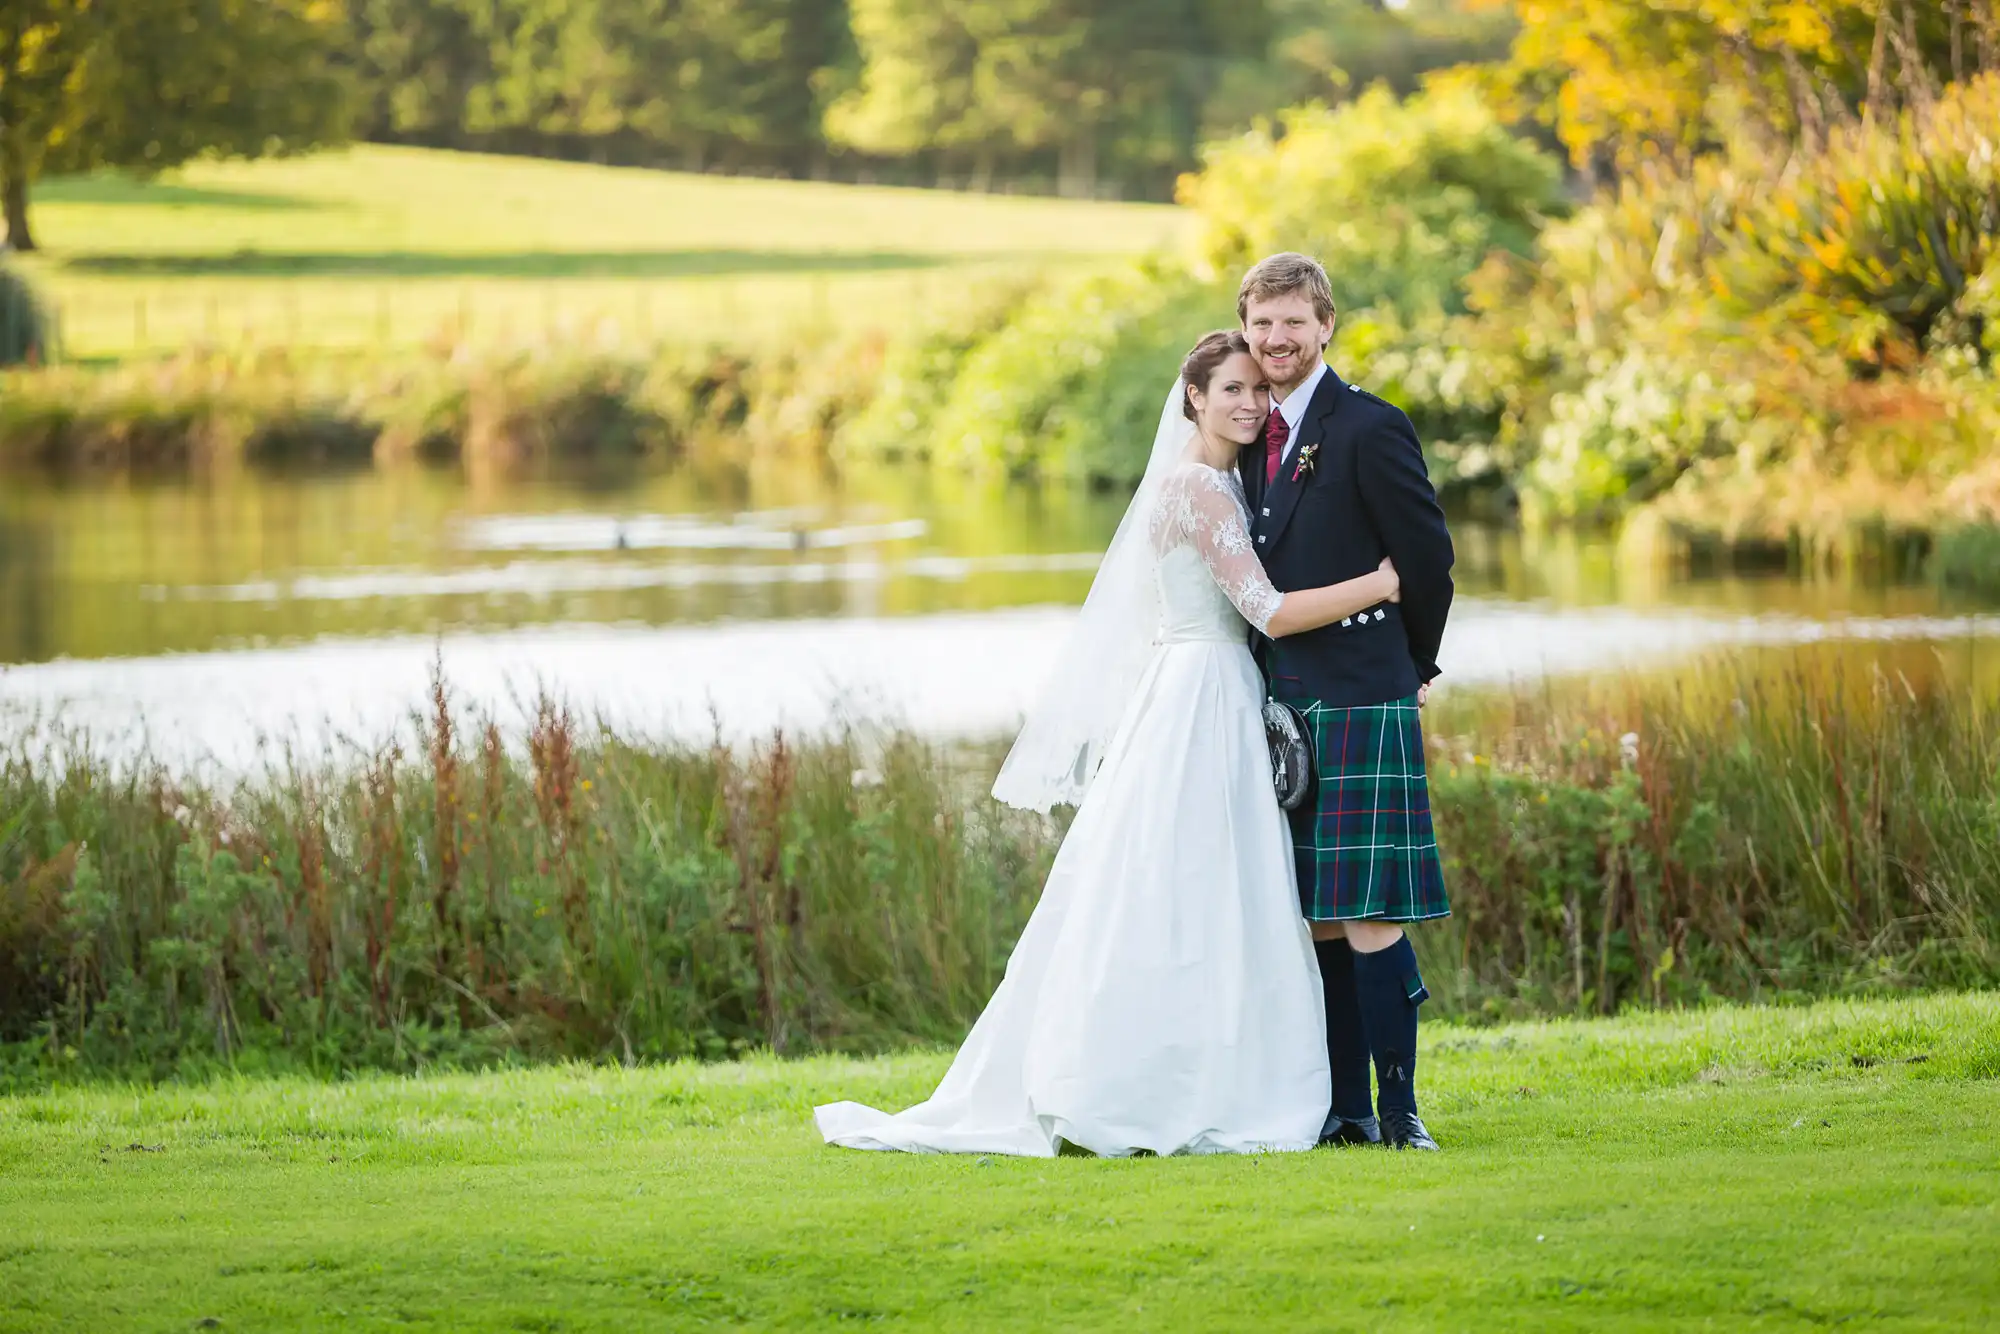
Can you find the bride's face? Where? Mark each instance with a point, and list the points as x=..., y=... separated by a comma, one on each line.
x=1236, y=402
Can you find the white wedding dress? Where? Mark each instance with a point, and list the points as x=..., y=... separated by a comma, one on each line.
x=1164, y=995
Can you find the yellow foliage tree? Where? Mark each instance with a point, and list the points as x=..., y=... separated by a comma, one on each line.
x=1632, y=79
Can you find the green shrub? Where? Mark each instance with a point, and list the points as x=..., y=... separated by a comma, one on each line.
x=1630, y=432
x=316, y=436
x=526, y=416
x=917, y=375
x=1968, y=557
x=1400, y=200
x=27, y=328
x=1458, y=393
x=1072, y=386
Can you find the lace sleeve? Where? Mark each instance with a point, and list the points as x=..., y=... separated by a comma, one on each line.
x=1209, y=514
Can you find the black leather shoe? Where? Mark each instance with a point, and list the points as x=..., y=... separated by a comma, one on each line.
x=1343, y=1131
x=1405, y=1130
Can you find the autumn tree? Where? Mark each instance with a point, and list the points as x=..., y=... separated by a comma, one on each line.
x=1631, y=79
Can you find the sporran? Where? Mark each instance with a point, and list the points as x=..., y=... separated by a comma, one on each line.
x=1293, y=764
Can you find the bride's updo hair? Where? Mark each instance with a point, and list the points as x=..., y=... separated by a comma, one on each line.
x=1201, y=364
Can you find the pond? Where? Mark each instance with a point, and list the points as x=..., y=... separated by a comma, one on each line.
x=207, y=619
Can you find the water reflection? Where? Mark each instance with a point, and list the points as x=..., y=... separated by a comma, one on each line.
x=767, y=530
x=131, y=571
x=217, y=614
x=544, y=579
x=27, y=589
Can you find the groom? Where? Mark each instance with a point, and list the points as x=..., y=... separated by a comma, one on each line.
x=1338, y=483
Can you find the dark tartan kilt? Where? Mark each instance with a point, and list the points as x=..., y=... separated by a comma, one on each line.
x=1364, y=844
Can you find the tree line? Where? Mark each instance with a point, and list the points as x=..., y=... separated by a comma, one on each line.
x=1084, y=96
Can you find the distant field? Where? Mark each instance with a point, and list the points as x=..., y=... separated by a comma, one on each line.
x=375, y=245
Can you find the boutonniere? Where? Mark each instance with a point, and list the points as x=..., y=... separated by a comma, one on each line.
x=1307, y=457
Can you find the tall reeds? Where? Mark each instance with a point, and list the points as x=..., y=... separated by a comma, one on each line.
x=583, y=896
x=1739, y=831
x=1743, y=829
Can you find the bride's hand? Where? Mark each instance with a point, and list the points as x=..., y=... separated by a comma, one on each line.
x=1388, y=567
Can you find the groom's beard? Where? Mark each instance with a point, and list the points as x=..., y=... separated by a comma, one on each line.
x=1302, y=365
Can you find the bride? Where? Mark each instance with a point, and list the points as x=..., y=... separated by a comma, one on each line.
x=1164, y=995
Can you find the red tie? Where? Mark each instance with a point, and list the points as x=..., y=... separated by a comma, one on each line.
x=1277, y=432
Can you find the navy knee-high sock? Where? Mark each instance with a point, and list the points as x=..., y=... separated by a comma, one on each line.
x=1389, y=989
x=1346, y=1042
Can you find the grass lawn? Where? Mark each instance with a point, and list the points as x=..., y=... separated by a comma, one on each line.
x=375, y=245
x=1736, y=1169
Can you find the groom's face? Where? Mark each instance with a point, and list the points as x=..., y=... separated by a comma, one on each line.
x=1287, y=337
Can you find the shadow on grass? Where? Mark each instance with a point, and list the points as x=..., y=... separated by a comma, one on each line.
x=502, y=264
x=121, y=190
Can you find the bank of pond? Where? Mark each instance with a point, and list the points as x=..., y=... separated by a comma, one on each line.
x=1755, y=827
x=722, y=415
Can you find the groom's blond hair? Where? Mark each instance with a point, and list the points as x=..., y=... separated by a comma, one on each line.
x=1282, y=275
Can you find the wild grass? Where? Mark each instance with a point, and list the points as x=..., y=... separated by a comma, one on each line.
x=1743, y=828
x=465, y=899
x=469, y=897
x=375, y=247
x=1774, y=1168
x=24, y=321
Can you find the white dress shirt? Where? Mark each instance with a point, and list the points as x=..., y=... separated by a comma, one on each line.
x=1293, y=409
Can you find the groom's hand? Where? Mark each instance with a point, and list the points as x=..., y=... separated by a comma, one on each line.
x=1423, y=695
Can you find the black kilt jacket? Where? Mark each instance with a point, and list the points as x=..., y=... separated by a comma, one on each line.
x=1354, y=489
